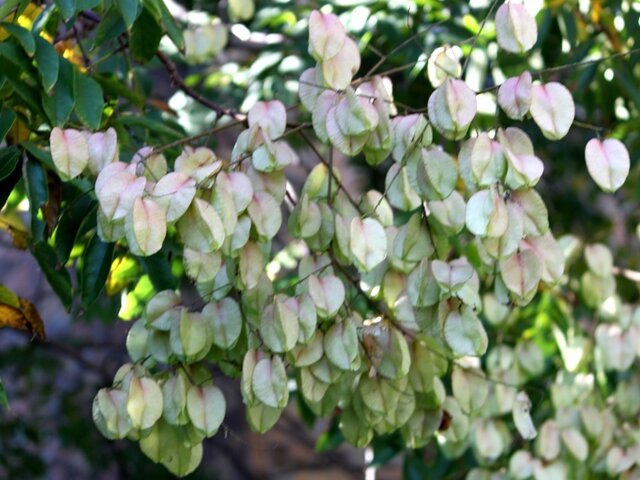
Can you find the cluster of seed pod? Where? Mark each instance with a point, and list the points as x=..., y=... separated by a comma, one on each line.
x=382, y=364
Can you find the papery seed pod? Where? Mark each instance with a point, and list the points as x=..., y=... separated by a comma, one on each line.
x=117, y=188
x=338, y=71
x=206, y=407
x=203, y=42
x=522, y=416
x=270, y=116
x=174, y=193
x=552, y=109
x=327, y=293
x=514, y=96
x=487, y=161
x=144, y=402
x=411, y=133
x=200, y=163
x=516, y=29
x=154, y=165
x=608, y=163
x=452, y=107
x=326, y=35
x=241, y=10
x=311, y=85
x=69, y=151
x=368, y=243
x=145, y=227
x=103, y=149
x=444, y=62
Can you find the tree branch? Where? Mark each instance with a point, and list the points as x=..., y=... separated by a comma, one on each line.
x=178, y=81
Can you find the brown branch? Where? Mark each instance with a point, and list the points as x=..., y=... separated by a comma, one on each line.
x=178, y=81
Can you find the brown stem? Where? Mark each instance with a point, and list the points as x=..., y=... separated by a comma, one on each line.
x=178, y=81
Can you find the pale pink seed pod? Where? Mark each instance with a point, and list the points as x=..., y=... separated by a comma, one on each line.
x=69, y=151
x=514, y=96
x=338, y=71
x=103, y=149
x=326, y=35
x=516, y=29
x=552, y=109
x=608, y=163
x=444, y=62
x=452, y=108
x=270, y=116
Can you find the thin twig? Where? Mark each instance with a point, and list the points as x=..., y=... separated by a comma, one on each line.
x=179, y=82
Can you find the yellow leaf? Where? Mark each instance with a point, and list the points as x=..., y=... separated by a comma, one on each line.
x=24, y=316
x=15, y=226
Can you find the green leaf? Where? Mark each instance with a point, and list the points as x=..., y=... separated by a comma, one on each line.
x=114, y=87
x=7, y=7
x=38, y=195
x=4, y=400
x=87, y=4
x=68, y=227
x=89, y=100
x=172, y=29
x=19, y=73
x=47, y=63
x=7, y=117
x=41, y=155
x=330, y=440
x=129, y=11
x=96, y=263
x=57, y=275
x=8, y=184
x=9, y=158
x=67, y=8
x=145, y=37
x=110, y=27
x=15, y=55
x=59, y=105
x=158, y=268
x=24, y=37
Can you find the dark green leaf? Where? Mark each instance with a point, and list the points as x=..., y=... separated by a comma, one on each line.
x=59, y=105
x=96, y=263
x=145, y=37
x=128, y=10
x=89, y=100
x=38, y=195
x=57, y=276
x=414, y=468
x=42, y=155
x=158, y=268
x=4, y=400
x=87, y=4
x=110, y=27
x=6, y=7
x=9, y=158
x=169, y=23
x=30, y=95
x=15, y=55
x=71, y=219
x=47, y=63
x=67, y=8
x=8, y=184
x=114, y=87
x=24, y=37
x=7, y=117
